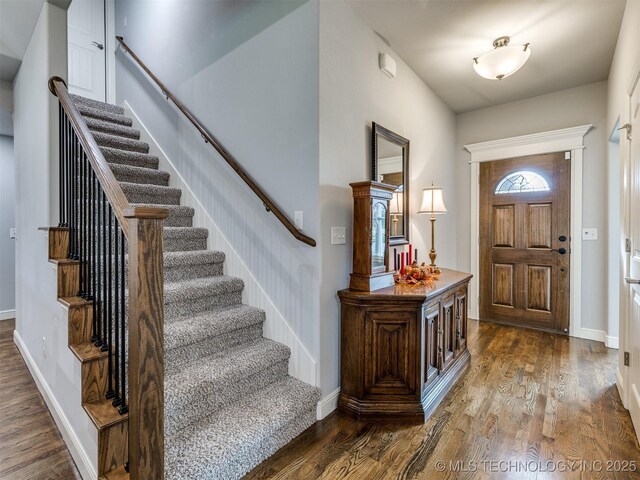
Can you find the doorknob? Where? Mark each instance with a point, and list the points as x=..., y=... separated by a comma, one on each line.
x=632, y=281
x=99, y=45
x=560, y=250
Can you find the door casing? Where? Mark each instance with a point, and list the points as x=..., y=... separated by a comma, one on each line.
x=570, y=140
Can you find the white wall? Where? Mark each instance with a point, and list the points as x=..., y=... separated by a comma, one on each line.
x=354, y=93
x=40, y=319
x=567, y=108
x=7, y=221
x=624, y=68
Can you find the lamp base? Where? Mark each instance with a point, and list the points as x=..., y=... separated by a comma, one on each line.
x=432, y=257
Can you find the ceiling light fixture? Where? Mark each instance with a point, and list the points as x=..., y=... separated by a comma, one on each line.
x=503, y=60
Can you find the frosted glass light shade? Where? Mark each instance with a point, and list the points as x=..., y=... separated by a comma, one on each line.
x=504, y=60
x=432, y=201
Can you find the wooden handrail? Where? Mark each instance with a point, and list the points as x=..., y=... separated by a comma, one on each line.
x=105, y=176
x=269, y=204
x=143, y=228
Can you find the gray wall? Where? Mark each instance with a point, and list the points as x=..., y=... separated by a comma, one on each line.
x=354, y=93
x=249, y=71
x=7, y=221
x=40, y=319
x=566, y=108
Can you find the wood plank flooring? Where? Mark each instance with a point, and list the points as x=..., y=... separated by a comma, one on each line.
x=533, y=405
x=31, y=447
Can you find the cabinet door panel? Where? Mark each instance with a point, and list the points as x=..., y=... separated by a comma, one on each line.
x=448, y=331
x=432, y=355
x=461, y=320
x=390, y=339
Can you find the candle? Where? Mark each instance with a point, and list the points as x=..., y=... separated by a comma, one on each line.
x=401, y=264
x=395, y=259
x=415, y=256
x=409, y=261
x=408, y=258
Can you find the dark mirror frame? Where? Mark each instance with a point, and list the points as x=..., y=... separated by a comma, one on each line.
x=378, y=131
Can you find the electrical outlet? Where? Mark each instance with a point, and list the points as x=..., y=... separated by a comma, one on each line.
x=44, y=347
x=338, y=235
x=297, y=219
x=12, y=232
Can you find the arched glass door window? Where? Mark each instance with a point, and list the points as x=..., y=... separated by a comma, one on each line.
x=522, y=182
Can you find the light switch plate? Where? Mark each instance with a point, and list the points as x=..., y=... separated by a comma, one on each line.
x=12, y=232
x=338, y=235
x=590, y=233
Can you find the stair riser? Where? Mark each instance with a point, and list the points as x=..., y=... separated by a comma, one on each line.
x=88, y=102
x=68, y=279
x=184, y=410
x=112, y=129
x=105, y=116
x=188, y=272
x=134, y=161
x=141, y=197
x=95, y=378
x=178, y=221
x=113, y=447
x=177, y=357
x=147, y=178
x=190, y=307
x=184, y=244
x=120, y=143
x=80, y=324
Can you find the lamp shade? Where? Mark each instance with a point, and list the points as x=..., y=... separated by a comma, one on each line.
x=502, y=61
x=432, y=201
x=397, y=203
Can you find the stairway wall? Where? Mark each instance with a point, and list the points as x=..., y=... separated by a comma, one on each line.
x=249, y=71
x=40, y=319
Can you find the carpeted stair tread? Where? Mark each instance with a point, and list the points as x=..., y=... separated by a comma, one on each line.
x=120, y=143
x=135, y=159
x=179, y=215
x=87, y=111
x=185, y=265
x=182, y=239
x=97, y=125
x=229, y=443
x=201, y=287
x=154, y=194
x=211, y=383
x=193, y=329
x=141, y=175
x=78, y=100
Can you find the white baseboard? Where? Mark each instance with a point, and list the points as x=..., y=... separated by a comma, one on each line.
x=591, y=334
x=328, y=404
x=86, y=469
x=301, y=365
x=7, y=314
x=612, y=342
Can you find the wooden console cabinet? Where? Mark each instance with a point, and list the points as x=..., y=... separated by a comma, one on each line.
x=403, y=348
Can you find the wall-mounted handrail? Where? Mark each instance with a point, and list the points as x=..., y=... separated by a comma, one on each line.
x=269, y=204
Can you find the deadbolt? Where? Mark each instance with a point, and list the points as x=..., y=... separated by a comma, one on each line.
x=562, y=238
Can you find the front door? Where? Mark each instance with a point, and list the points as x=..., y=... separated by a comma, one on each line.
x=86, y=51
x=633, y=326
x=524, y=241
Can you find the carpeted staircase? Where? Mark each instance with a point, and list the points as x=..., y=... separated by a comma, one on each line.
x=229, y=401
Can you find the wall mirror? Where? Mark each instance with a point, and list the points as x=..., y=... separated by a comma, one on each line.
x=391, y=166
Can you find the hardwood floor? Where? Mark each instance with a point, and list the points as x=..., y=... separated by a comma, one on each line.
x=544, y=400
x=31, y=447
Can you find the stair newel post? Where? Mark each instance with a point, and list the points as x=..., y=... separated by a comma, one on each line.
x=146, y=337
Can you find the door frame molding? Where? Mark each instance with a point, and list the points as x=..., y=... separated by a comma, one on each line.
x=567, y=140
x=110, y=50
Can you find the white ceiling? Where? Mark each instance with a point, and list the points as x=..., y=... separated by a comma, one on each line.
x=572, y=43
